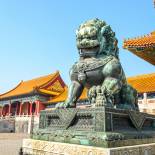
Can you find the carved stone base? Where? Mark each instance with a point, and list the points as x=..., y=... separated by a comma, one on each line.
x=38, y=147
x=101, y=127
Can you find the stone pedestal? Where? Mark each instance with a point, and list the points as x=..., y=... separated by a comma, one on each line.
x=38, y=147
x=99, y=127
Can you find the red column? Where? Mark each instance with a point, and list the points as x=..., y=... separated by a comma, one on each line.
x=38, y=107
x=17, y=109
x=20, y=109
x=27, y=106
x=41, y=106
x=30, y=112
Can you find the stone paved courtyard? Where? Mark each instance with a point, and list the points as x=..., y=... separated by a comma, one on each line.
x=10, y=143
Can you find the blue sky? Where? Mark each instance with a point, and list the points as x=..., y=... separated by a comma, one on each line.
x=37, y=37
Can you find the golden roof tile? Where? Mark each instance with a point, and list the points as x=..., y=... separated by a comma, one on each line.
x=143, y=83
x=143, y=47
x=63, y=96
x=146, y=41
x=25, y=87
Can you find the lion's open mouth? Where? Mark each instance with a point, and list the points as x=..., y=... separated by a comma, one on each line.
x=91, y=48
x=89, y=52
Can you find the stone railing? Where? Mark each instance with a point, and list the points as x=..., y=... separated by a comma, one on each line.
x=14, y=116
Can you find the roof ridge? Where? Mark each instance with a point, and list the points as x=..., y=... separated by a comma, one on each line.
x=61, y=94
x=138, y=38
x=141, y=76
x=36, y=84
x=12, y=89
x=52, y=78
x=40, y=77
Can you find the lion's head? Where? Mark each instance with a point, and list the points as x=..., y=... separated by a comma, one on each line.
x=96, y=38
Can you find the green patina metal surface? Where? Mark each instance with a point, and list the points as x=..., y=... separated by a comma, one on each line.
x=102, y=127
x=113, y=118
x=99, y=69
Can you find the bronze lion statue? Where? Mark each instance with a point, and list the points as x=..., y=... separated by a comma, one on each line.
x=99, y=69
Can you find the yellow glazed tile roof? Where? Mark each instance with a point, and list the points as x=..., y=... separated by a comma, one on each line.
x=143, y=83
x=25, y=87
x=143, y=47
x=63, y=96
x=146, y=41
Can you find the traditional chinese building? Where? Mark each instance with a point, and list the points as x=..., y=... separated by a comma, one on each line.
x=28, y=97
x=82, y=102
x=145, y=85
x=144, y=47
